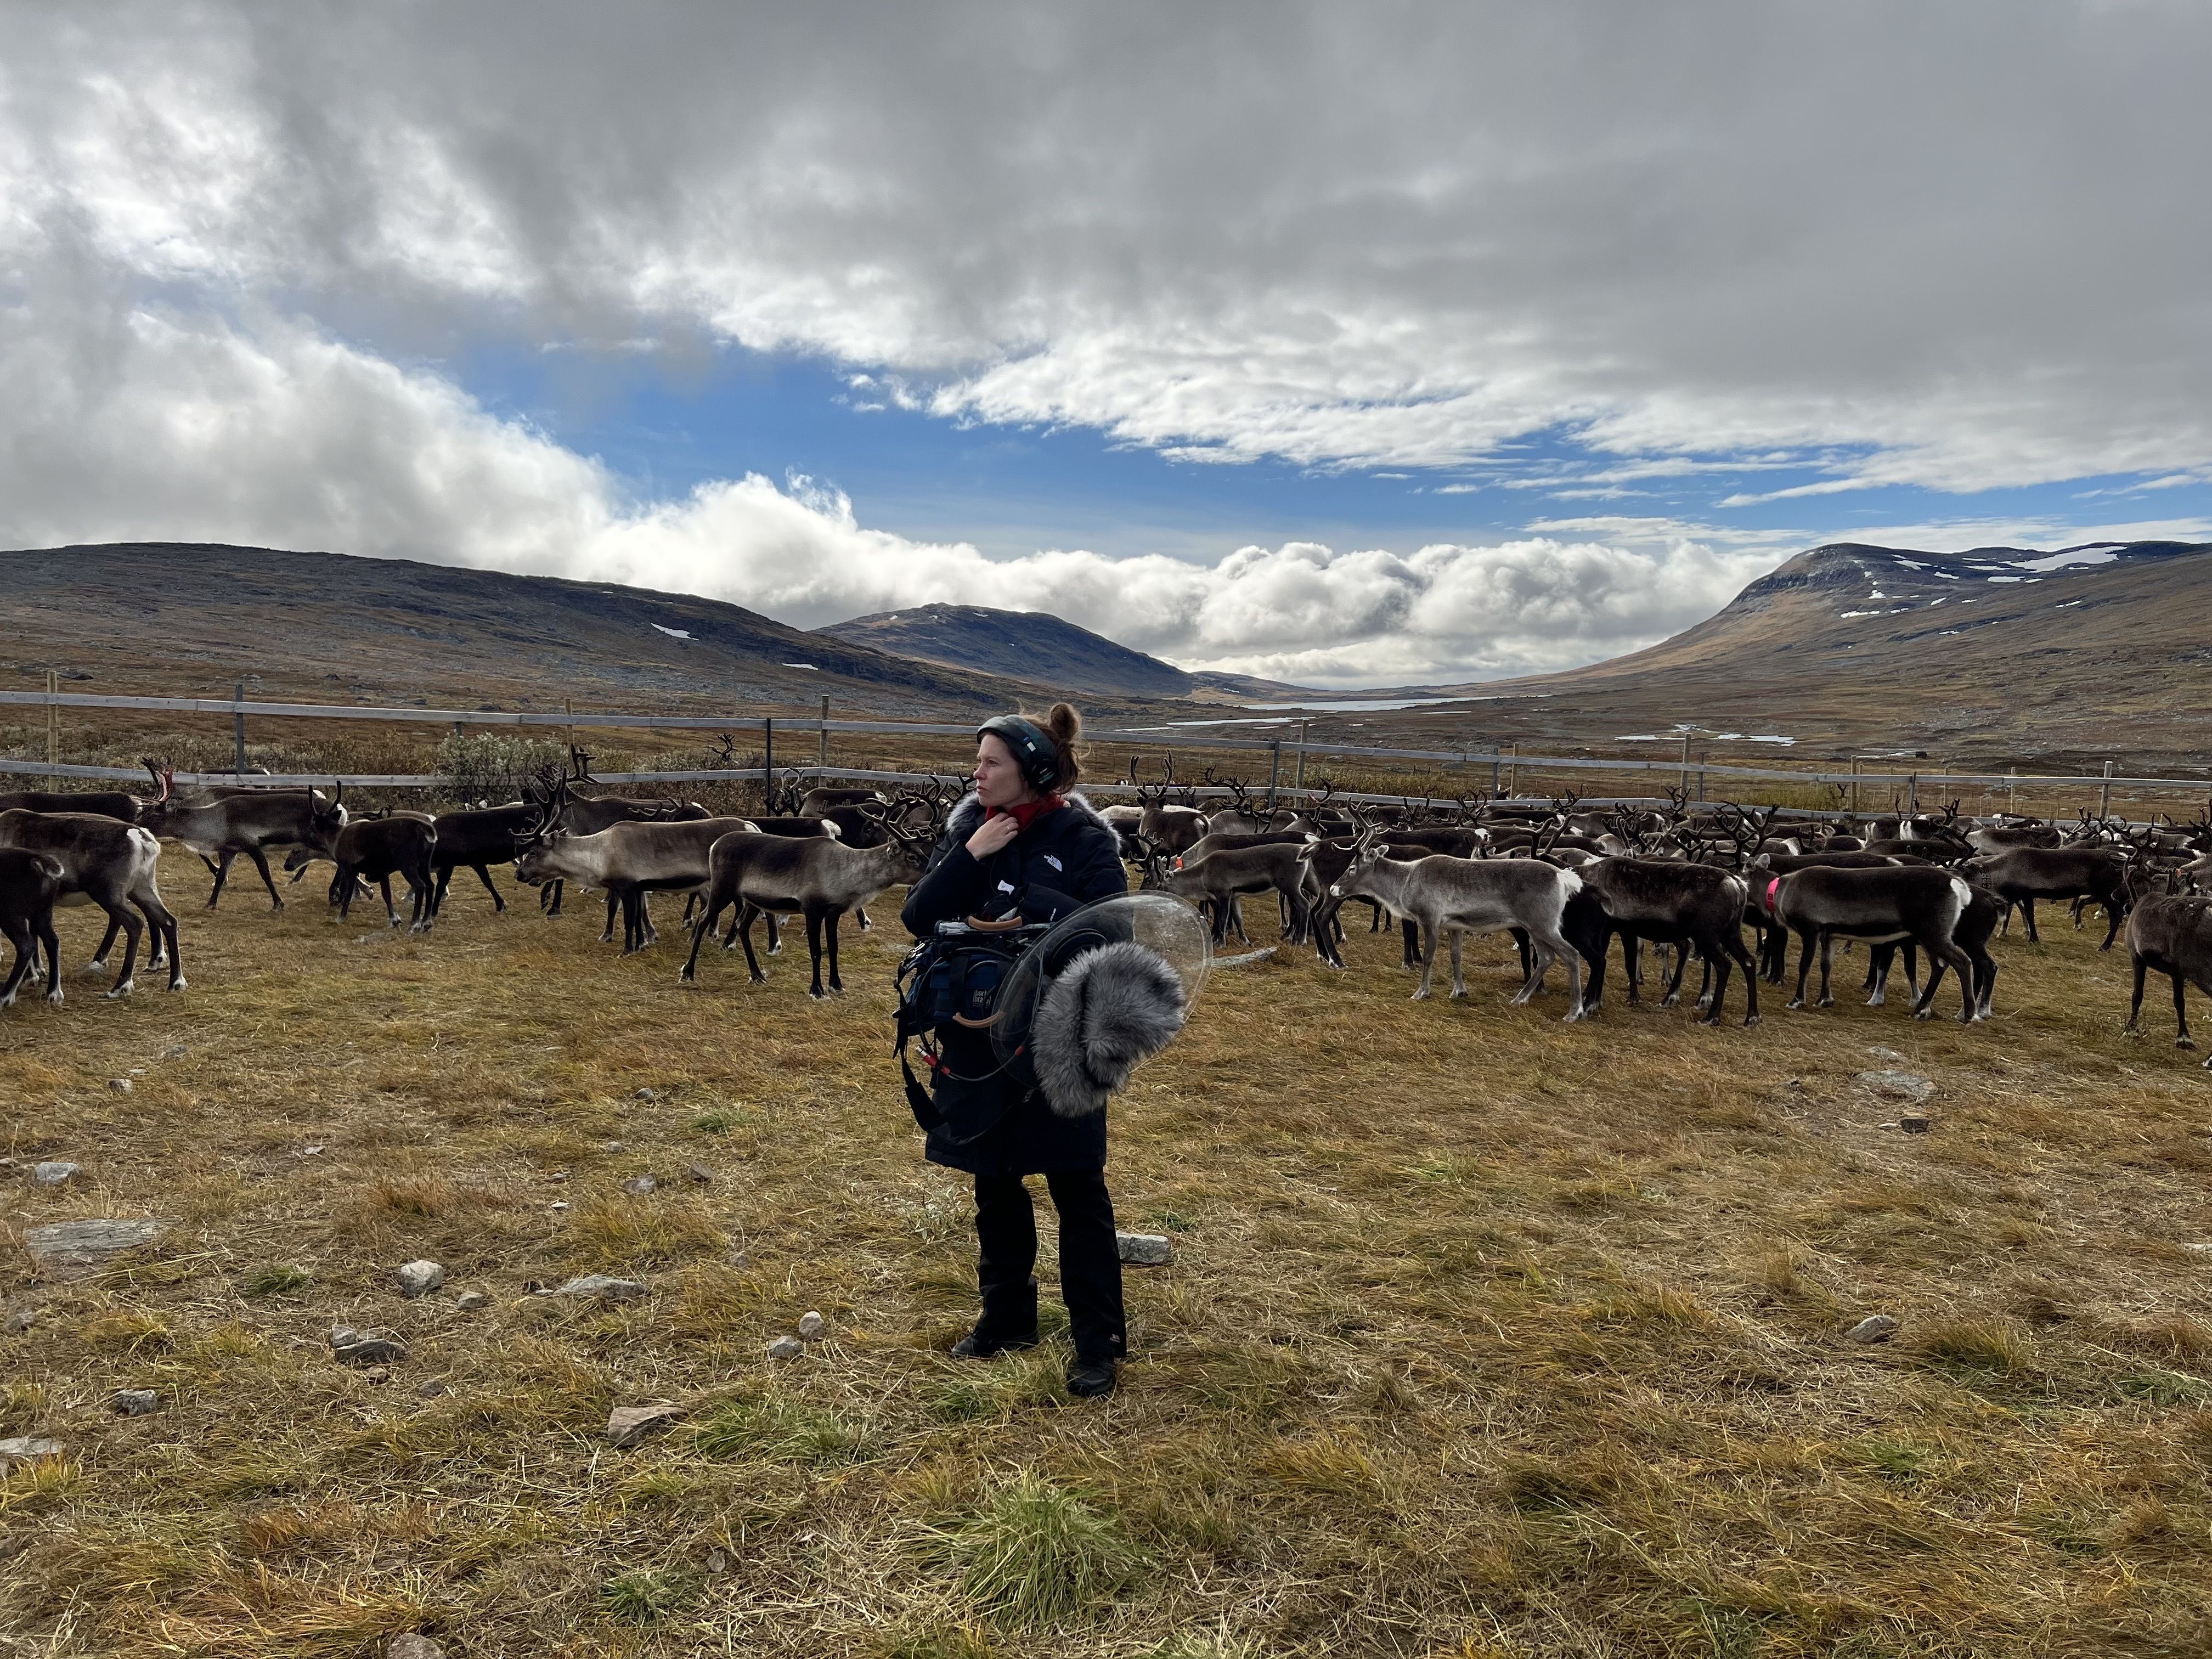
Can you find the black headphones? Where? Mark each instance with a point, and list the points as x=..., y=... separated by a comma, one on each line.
x=1031, y=745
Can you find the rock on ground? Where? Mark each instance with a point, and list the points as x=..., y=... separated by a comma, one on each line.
x=29, y=1445
x=628, y=1424
x=1898, y=1085
x=55, y=1173
x=413, y=1645
x=420, y=1277
x=471, y=1301
x=358, y=1347
x=598, y=1286
x=812, y=1325
x=785, y=1347
x=1874, y=1328
x=20, y=1321
x=136, y=1402
x=1145, y=1250
x=639, y=1186
x=70, y=1249
x=120, y=1084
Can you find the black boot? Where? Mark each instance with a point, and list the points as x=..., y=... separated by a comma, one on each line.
x=1089, y=1379
x=976, y=1346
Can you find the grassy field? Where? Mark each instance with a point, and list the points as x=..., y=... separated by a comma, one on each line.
x=1485, y=1335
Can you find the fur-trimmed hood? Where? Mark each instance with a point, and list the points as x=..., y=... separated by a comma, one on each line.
x=969, y=814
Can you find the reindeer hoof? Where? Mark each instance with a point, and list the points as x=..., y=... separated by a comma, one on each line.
x=124, y=989
x=176, y=985
x=1754, y=1019
x=1794, y=1002
x=1827, y=1002
x=2184, y=1042
x=54, y=996
x=98, y=967
x=756, y=979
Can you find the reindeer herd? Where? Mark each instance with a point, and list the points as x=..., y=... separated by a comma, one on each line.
x=1565, y=881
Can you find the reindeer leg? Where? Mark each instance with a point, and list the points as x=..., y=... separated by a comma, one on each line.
x=261, y=863
x=1879, y=958
x=1414, y=929
x=774, y=933
x=2181, y=1014
x=745, y=938
x=1827, y=945
x=2134, y=1003
x=132, y=928
x=27, y=949
x=99, y=963
x=221, y=875
x=1459, y=980
x=607, y=932
x=163, y=926
x=2027, y=915
x=53, y=960
x=1732, y=942
x=707, y=916
x=1673, y=996
x=483, y=875
x=836, y=985
x=390, y=911
x=861, y=915
x=2117, y=911
x=814, y=950
x=647, y=934
x=548, y=900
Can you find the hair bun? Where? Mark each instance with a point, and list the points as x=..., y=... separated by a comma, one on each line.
x=1064, y=723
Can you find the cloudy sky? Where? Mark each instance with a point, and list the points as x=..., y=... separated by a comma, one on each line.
x=1349, y=345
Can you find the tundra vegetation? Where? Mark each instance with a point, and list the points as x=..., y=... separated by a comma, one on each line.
x=1484, y=1333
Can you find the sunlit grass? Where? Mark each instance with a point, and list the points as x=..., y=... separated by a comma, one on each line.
x=1483, y=1334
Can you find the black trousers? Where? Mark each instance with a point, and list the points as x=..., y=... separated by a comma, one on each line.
x=1090, y=1260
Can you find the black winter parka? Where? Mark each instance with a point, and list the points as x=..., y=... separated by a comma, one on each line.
x=1064, y=860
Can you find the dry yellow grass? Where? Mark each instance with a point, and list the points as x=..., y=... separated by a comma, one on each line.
x=1485, y=1335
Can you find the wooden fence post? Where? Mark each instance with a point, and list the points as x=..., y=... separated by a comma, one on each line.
x=53, y=728
x=1513, y=778
x=1683, y=783
x=824, y=757
x=768, y=764
x=1274, y=774
x=1855, y=786
x=1298, y=782
x=2105, y=794
x=238, y=731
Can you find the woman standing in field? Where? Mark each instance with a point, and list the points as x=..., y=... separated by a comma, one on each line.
x=1020, y=844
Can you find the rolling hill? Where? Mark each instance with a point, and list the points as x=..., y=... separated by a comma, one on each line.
x=1993, y=656
x=190, y=619
x=1043, y=645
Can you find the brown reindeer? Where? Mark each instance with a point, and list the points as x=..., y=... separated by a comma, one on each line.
x=112, y=864
x=2172, y=933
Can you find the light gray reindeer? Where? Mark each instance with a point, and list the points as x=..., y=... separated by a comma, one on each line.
x=1458, y=896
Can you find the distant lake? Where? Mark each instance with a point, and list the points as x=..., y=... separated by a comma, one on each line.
x=1361, y=706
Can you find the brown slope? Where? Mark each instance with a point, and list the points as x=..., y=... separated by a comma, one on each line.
x=1047, y=649
x=1977, y=657
x=191, y=619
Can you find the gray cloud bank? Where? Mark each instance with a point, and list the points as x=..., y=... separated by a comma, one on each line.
x=1955, y=247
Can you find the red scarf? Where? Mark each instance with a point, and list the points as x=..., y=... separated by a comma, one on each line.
x=1026, y=812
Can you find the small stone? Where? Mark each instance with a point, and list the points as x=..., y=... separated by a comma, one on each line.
x=1145, y=1250
x=812, y=1325
x=612, y=1146
x=1874, y=1328
x=378, y=1374
x=2194, y=1249
x=1898, y=1085
x=178, y=1051
x=639, y=1186
x=785, y=1347
x=20, y=1321
x=1890, y=1054
x=718, y=1562
x=136, y=1402
x=740, y=1256
x=600, y=1288
x=646, y=1094
x=1913, y=1123
x=70, y=1249
x=419, y=1279
x=29, y=1445
x=311, y=1151
x=700, y=1173
x=122, y=1085
x=558, y=1174
x=560, y=1204
x=358, y=1347
x=628, y=1424
x=472, y=1302
x=56, y=1174
x=431, y=1390
x=413, y=1645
